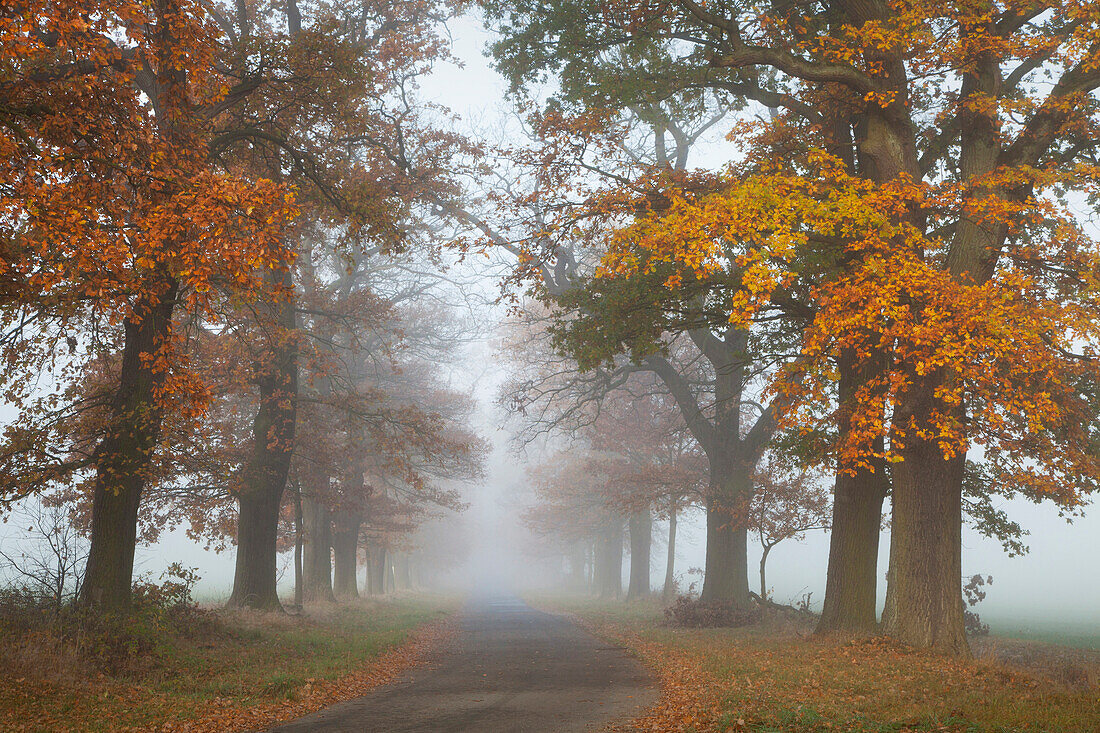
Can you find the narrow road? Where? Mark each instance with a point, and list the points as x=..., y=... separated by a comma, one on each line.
x=509, y=668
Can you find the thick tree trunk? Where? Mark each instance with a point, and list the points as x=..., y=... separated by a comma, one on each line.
x=641, y=539
x=851, y=588
x=852, y=582
x=345, y=547
x=254, y=583
x=317, y=550
x=264, y=477
x=925, y=607
x=377, y=561
x=727, y=570
x=670, y=560
x=123, y=457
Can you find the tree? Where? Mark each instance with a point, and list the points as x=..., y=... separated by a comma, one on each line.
x=116, y=225
x=50, y=563
x=787, y=504
x=612, y=328
x=338, y=114
x=571, y=506
x=638, y=461
x=651, y=462
x=959, y=268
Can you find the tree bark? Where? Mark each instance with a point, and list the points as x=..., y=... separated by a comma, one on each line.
x=851, y=587
x=317, y=550
x=609, y=561
x=299, y=532
x=727, y=569
x=123, y=457
x=670, y=559
x=345, y=547
x=377, y=570
x=404, y=571
x=641, y=538
x=763, y=572
x=925, y=607
x=264, y=477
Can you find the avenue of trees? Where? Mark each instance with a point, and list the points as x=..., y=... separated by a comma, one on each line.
x=750, y=245
x=894, y=278
x=222, y=300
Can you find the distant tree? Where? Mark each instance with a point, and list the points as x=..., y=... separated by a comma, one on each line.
x=787, y=503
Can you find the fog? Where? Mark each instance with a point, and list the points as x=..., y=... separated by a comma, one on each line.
x=1052, y=591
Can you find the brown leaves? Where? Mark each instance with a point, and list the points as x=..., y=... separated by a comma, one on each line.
x=768, y=678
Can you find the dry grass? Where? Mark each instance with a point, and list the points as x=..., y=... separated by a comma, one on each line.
x=777, y=677
x=241, y=669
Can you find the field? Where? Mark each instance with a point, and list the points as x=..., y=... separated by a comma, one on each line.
x=777, y=677
x=216, y=671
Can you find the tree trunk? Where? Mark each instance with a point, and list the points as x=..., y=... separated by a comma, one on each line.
x=641, y=538
x=404, y=571
x=727, y=569
x=299, y=536
x=377, y=562
x=317, y=560
x=609, y=562
x=345, y=547
x=851, y=588
x=670, y=559
x=852, y=583
x=578, y=563
x=926, y=604
x=123, y=457
x=264, y=477
x=763, y=572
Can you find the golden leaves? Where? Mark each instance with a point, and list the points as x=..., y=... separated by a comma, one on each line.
x=994, y=347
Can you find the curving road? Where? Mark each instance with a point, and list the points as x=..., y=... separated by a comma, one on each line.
x=509, y=668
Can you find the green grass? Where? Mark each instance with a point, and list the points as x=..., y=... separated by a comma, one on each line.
x=1081, y=635
x=240, y=660
x=776, y=677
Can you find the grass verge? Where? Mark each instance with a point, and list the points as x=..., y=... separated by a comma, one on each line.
x=241, y=671
x=777, y=677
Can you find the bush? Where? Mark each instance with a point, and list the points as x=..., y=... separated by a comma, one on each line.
x=693, y=612
x=111, y=643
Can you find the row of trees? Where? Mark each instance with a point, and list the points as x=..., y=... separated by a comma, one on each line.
x=891, y=279
x=635, y=462
x=217, y=223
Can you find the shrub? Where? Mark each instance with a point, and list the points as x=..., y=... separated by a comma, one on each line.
x=111, y=643
x=693, y=612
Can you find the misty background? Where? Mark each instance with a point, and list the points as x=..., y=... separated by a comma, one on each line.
x=1053, y=592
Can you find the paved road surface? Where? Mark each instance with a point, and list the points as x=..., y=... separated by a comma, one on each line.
x=509, y=668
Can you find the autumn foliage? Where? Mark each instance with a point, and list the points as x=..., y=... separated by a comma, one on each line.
x=909, y=207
